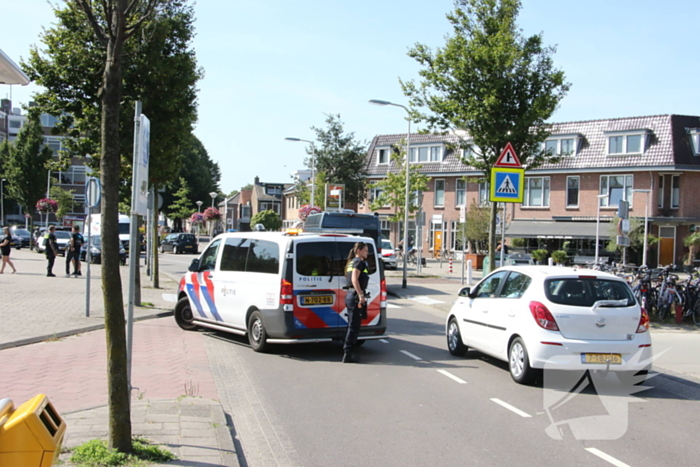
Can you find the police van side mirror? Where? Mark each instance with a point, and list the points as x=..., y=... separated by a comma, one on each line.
x=194, y=265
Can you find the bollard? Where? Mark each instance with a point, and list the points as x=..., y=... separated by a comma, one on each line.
x=550, y=262
x=679, y=314
x=449, y=269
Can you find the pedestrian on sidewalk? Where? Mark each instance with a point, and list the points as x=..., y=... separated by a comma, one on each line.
x=5, y=249
x=51, y=250
x=73, y=252
x=357, y=274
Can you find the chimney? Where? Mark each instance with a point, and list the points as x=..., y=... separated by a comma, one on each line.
x=257, y=180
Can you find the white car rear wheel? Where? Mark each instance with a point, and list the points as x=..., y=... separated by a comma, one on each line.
x=519, y=363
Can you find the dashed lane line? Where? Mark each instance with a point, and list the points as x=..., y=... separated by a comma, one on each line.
x=383, y=341
x=606, y=457
x=451, y=376
x=511, y=408
x=409, y=354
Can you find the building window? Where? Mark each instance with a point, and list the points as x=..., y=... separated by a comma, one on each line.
x=661, y=191
x=48, y=120
x=75, y=175
x=425, y=154
x=15, y=123
x=694, y=140
x=273, y=190
x=675, y=191
x=54, y=143
x=436, y=227
x=572, y=187
x=385, y=226
x=383, y=156
x=457, y=237
x=484, y=195
x=617, y=187
x=471, y=152
x=561, y=146
x=626, y=143
x=461, y=192
x=536, y=192
x=439, y=193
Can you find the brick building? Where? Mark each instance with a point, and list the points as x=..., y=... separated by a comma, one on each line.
x=602, y=162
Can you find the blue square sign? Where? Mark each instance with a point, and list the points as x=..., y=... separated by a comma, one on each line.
x=507, y=185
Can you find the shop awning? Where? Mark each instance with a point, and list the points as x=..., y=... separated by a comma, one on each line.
x=10, y=73
x=556, y=229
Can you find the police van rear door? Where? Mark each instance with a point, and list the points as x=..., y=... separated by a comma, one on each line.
x=317, y=283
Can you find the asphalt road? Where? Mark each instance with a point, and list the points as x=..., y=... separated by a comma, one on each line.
x=411, y=403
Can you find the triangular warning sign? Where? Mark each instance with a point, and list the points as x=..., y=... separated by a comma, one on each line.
x=507, y=186
x=508, y=158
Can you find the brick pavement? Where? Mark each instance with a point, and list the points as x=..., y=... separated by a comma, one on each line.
x=34, y=307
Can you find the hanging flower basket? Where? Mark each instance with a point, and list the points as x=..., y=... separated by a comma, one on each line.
x=45, y=205
x=212, y=214
x=307, y=209
x=197, y=218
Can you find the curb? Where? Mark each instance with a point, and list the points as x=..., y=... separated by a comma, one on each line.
x=73, y=332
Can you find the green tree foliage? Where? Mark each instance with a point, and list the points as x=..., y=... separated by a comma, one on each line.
x=341, y=159
x=159, y=69
x=182, y=207
x=476, y=227
x=693, y=243
x=636, y=236
x=26, y=161
x=490, y=81
x=270, y=219
x=64, y=199
x=393, y=187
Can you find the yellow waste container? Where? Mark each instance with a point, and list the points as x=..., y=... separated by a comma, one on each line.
x=31, y=435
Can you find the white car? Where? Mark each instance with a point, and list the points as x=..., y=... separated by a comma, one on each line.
x=561, y=318
x=388, y=254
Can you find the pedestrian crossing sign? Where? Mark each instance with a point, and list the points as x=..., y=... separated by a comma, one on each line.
x=507, y=185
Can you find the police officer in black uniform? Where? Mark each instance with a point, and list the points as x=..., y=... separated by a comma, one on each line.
x=357, y=273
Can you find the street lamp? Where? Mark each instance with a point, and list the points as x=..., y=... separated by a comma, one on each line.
x=646, y=220
x=313, y=166
x=2, y=203
x=213, y=195
x=408, y=157
x=597, y=229
x=199, y=205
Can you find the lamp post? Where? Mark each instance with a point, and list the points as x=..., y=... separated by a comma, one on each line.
x=646, y=221
x=199, y=208
x=408, y=179
x=213, y=195
x=2, y=203
x=313, y=166
x=597, y=228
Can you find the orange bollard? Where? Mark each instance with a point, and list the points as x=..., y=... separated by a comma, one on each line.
x=679, y=314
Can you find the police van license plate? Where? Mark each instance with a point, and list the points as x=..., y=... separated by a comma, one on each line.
x=602, y=358
x=316, y=300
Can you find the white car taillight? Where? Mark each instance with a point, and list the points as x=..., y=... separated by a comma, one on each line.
x=543, y=317
x=643, y=322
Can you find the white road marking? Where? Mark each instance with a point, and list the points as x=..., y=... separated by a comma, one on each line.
x=383, y=341
x=170, y=297
x=511, y=408
x=451, y=376
x=391, y=305
x=409, y=354
x=606, y=457
x=425, y=300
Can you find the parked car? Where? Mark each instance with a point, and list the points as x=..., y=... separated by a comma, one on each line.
x=96, y=251
x=179, y=243
x=564, y=318
x=24, y=237
x=62, y=241
x=388, y=254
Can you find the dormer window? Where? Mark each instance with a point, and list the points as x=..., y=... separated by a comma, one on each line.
x=694, y=140
x=562, y=145
x=383, y=155
x=426, y=153
x=472, y=151
x=620, y=143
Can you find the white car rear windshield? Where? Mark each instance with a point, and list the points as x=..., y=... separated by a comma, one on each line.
x=586, y=291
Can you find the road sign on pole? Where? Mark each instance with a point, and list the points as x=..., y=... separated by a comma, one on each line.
x=507, y=185
x=508, y=158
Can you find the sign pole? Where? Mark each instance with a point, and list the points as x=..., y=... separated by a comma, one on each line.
x=92, y=193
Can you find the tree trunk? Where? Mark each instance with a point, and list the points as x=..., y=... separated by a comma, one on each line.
x=110, y=168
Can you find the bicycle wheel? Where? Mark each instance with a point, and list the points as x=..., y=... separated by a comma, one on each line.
x=696, y=313
x=663, y=308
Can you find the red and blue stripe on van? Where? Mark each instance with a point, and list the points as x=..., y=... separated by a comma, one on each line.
x=327, y=316
x=197, y=291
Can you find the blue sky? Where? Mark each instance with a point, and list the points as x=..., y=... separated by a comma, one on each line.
x=275, y=68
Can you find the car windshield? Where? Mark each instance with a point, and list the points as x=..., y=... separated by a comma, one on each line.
x=22, y=232
x=386, y=244
x=62, y=234
x=580, y=291
x=96, y=241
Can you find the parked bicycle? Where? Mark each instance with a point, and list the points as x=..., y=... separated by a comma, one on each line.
x=670, y=294
x=691, y=307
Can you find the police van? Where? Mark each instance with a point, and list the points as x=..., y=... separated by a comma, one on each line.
x=278, y=288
